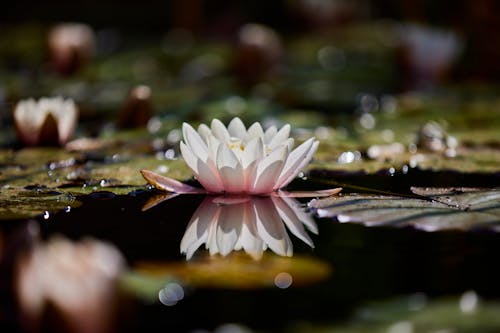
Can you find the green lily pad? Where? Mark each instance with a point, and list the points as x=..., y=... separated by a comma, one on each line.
x=418, y=314
x=435, y=209
x=239, y=271
x=36, y=180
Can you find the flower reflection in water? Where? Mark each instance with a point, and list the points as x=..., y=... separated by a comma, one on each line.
x=249, y=223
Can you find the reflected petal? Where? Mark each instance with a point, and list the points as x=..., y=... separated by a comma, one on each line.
x=288, y=212
x=197, y=231
x=252, y=223
x=271, y=228
x=229, y=227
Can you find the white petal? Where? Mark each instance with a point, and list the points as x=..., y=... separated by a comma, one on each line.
x=267, y=171
x=28, y=119
x=219, y=130
x=302, y=214
x=230, y=170
x=271, y=228
x=209, y=177
x=204, y=131
x=195, y=142
x=236, y=128
x=249, y=239
x=213, y=147
x=189, y=157
x=292, y=216
x=198, y=228
x=229, y=227
x=254, y=151
x=66, y=115
x=269, y=134
x=254, y=131
x=280, y=137
x=206, y=173
x=296, y=160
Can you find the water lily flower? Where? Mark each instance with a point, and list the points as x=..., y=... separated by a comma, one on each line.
x=239, y=160
x=77, y=279
x=249, y=223
x=71, y=46
x=48, y=121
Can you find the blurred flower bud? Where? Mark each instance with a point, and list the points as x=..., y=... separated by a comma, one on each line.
x=76, y=281
x=320, y=14
x=48, y=121
x=137, y=109
x=71, y=46
x=258, y=53
x=427, y=54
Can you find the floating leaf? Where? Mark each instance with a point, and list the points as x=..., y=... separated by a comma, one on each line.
x=418, y=314
x=436, y=209
x=238, y=271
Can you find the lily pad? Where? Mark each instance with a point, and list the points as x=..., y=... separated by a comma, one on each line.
x=239, y=271
x=36, y=180
x=418, y=314
x=432, y=210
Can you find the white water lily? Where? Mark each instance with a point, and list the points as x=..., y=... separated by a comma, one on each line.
x=239, y=160
x=249, y=223
x=46, y=121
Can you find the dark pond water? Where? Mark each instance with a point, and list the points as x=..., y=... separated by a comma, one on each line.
x=366, y=263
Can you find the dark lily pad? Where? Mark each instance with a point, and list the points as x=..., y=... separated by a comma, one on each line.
x=435, y=209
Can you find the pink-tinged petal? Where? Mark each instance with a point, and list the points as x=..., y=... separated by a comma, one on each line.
x=254, y=131
x=296, y=160
x=270, y=227
x=206, y=173
x=220, y=131
x=252, y=155
x=280, y=137
x=229, y=227
x=267, y=171
x=236, y=128
x=308, y=194
x=194, y=141
x=209, y=177
x=168, y=184
x=204, y=132
x=198, y=228
x=269, y=134
x=291, y=219
x=230, y=170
